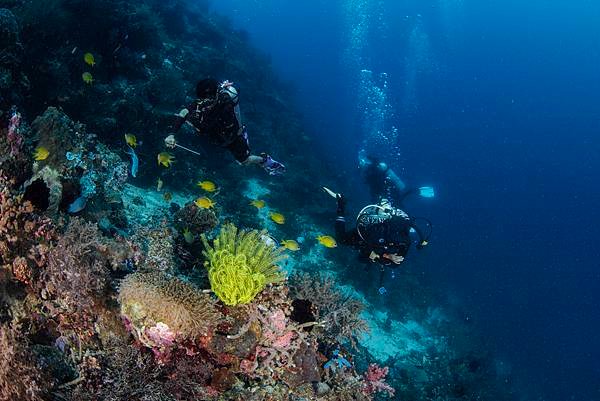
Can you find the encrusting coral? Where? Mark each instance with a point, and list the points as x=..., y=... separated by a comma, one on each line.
x=241, y=263
x=55, y=131
x=25, y=236
x=160, y=250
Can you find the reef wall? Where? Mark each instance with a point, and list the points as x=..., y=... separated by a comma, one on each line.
x=120, y=286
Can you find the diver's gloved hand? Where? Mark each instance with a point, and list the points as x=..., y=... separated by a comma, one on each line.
x=273, y=167
x=170, y=141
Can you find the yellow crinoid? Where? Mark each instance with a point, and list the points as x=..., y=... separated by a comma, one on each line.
x=241, y=263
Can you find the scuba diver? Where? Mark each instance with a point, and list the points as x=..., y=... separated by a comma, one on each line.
x=216, y=114
x=384, y=183
x=381, y=235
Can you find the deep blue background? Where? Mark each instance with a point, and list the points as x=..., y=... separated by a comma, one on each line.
x=505, y=123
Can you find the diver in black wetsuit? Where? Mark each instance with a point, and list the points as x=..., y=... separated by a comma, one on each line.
x=216, y=114
x=384, y=183
x=381, y=235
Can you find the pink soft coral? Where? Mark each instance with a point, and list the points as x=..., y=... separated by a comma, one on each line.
x=161, y=339
x=161, y=335
x=14, y=137
x=374, y=380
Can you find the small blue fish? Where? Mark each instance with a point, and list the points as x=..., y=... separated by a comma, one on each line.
x=135, y=162
x=337, y=361
x=78, y=205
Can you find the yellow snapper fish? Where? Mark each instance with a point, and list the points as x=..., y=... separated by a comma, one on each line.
x=290, y=245
x=89, y=59
x=204, y=203
x=188, y=236
x=131, y=140
x=87, y=78
x=277, y=217
x=159, y=185
x=165, y=159
x=257, y=203
x=41, y=153
x=208, y=186
x=327, y=241
x=168, y=196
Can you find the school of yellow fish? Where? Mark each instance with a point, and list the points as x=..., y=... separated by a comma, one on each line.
x=166, y=159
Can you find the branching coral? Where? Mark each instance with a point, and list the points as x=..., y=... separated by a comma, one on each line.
x=339, y=314
x=20, y=378
x=161, y=309
x=284, y=351
x=240, y=264
x=374, y=381
x=123, y=372
x=77, y=276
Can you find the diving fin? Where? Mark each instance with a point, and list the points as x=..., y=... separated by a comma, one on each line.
x=330, y=192
x=426, y=192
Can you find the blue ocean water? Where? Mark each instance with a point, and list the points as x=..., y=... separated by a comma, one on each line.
x=497, y=105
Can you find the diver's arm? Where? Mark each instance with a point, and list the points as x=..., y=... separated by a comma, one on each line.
x=180, y=119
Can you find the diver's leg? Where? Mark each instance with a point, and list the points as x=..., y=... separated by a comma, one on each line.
x=252, y=160
x=240, y=149
x=340, y=220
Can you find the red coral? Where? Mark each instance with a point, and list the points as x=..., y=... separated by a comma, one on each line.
x=374, y=380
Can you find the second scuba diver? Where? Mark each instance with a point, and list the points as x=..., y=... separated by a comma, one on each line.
x=216, y=114
x=381, y=234
x=384, y=183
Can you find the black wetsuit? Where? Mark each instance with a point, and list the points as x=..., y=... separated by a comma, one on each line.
x=381, y=236
x=218, y=118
